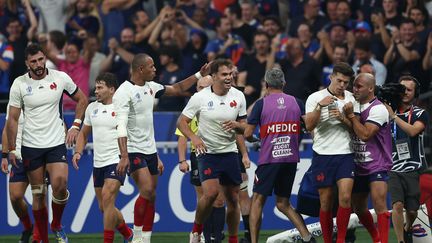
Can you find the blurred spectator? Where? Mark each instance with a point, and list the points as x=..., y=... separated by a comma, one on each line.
x=120, y=55
x=19, y=39
x=336, y=34
x=363, y=30
x=169, y=75
x=249, y=11
x=302, y=74
x=273, y=27
x=331, y=11
x=211, y=14
x=143, y=29
x=310, y=16
x=199, y=17
x=6, y=58
x=187, y=6
x=53, y=14
x=404, y=53
x=168, y=31
x=363, y=54
x=55, y=42
x=193, y=56
x=226, y=44
x=392, y=17
x=82, y=22
x=343, y=12
x=238, y=27
x=221, y=5
x=420, y=17
x=93, y=45
x=427, y=64
x=364, y=8
x=310, y=44
x=340, y=54
x=77, y=66
x=252, y=67
x=366, y=67
x=380, y=38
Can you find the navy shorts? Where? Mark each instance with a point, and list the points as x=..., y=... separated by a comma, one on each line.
x=328, y=169
x=106, y=172
x=362, y=183
x=278, y=177
x=139, y=160
x=18, y=174
x=194, y=174
x=242, y=167
x=34, y=158
x=224, y=166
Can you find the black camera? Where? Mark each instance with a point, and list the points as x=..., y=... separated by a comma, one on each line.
x=391, y=94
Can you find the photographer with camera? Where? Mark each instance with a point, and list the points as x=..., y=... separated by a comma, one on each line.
x=408, y=126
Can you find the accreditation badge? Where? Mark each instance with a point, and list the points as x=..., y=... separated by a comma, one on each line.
x=403, y=148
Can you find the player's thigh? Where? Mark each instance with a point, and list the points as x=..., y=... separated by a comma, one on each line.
x=36, y=176
x=58, y=173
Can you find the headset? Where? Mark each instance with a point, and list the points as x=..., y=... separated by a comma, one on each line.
x=417, y=83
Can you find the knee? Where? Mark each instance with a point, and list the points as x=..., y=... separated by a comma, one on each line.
x=148, y=194
x=59, y=184
x=210, y=195
x=398, y=207
x=107, y=199
x=15, y=197
x=345, y=200
x=281, y=205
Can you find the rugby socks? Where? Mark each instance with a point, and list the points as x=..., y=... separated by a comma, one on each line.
x=41, y=220
x=218, y=222
x=36, y=235
x=149, y=215
x=326, y=221
x=367, y=221
x=383, y=226
x=198, y=228
x=246, y=227
x=124, y=230
x=342, y=219
x=26, y=222
x=208, y=227
x=108, y=236
x=232, y=239
x=57, y=215
x=139, y=211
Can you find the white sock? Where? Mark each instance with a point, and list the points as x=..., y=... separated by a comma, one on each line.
x=146, y=236
x=137, y=231
x=307, y=238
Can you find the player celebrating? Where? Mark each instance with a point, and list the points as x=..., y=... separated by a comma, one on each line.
x=333, y=158
x=100, y=120
x=133, y=103
x=372, y=154
x=43, y=143
x=217, y=106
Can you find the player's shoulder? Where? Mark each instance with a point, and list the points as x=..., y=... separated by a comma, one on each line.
x=235, y=92
x=318, y=94
x=21, y=79
x=57, y=73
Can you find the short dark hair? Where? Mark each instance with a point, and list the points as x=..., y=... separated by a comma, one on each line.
x=216, y=64
x=171, y=51
x=343, y=46
x=363, y=44
x=407, y=21
x=218, y=21
x=261, y=32
x=236, y=10
x=138, y=60
x=58, y=38
x=344, y=69
x=274, y=19
x=13, y=19
x=110, y=79
x=32, y=49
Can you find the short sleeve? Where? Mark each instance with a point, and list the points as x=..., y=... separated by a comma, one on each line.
x=422, y=115
x=87, y=119
x=69, y=86
x=193, y=106
x=159, y=89
x=311, y=103
x=255, y=115
x=242, y=111
x=378, y=115
x=15, y=97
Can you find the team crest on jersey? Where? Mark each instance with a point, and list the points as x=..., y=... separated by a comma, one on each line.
x=53, y=86
x=233, y=104
x=138, y=97
x=29, y=90
x=210, y=105
x=113, y=113
x=281, y=103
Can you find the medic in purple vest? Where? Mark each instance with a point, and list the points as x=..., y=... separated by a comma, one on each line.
x=279, y=117
x=372, y=146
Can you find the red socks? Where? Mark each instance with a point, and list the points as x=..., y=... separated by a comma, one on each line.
x=149, y=216
x=139, y=211
x=197, y=228
x=367, y=221
x=383, y=226
x=124, y=230
x=57, y=215
x=26, y=222
x=41, y=220
x=233, y=239
x=342, y=219
x=326, y=221
x=108, y=236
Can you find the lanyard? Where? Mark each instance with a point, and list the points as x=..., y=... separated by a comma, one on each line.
x=409, y=122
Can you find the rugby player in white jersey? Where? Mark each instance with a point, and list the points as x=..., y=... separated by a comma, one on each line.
x=133, y=102
x=100, y=121
x=219, y=108
x=40, y=92
x=18, y=183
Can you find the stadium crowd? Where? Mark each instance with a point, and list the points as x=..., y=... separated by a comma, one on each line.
x=139, y=56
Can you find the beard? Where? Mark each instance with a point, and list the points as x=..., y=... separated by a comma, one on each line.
x=39, y=71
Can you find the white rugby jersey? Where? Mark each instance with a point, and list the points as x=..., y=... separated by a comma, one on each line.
x=212, y=110
x=103, y=122
x=18, y=141
x=40, y=101
x=331, y=136
x=134, y=107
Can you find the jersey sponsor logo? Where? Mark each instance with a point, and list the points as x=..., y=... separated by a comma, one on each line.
x=53, y=86
x=233, y=104
x=289, y=127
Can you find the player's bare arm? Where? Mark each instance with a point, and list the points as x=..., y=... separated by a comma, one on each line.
x=80, y=145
